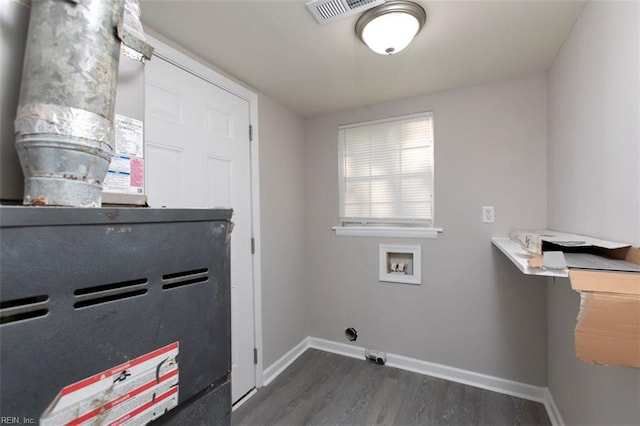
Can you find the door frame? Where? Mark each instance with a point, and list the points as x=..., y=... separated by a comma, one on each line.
x=208, y=73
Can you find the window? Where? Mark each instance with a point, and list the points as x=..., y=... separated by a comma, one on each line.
x=386, y=172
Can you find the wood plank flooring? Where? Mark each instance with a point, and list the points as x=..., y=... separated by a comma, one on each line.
x=322, y=388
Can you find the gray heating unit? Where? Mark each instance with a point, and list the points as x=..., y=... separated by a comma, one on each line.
x=115, y=315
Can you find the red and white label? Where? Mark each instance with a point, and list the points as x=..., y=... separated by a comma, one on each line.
x=131, y=394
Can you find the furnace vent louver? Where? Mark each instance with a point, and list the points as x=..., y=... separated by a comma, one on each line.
x=97, y=295
x=326, y=11
x=181, y=279
x=23, y=309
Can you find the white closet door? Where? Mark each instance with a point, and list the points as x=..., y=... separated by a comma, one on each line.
x=198, y=155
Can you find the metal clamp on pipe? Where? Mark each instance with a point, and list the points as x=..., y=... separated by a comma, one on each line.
x=131, y=33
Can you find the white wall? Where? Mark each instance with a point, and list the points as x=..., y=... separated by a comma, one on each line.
x=285, y=301
x=594, y=189
x=474, y=309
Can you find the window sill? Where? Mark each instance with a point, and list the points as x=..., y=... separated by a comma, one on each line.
x=386, y=231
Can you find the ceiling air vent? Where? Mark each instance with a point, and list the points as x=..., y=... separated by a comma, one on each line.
x=326, y=11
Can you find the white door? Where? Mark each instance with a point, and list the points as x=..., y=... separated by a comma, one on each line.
x=198, y=155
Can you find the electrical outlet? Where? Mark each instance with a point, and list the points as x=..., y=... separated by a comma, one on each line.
x=487, y=214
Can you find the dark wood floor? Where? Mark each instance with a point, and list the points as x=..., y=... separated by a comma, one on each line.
x=321, y=388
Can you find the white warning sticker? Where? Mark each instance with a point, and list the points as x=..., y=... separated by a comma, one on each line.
x=133, y=393
x=129, y=136
x=126, y=170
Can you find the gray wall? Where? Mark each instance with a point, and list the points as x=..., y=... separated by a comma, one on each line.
x=14, y=20
x=285, y=301
x=594, y=125
x=594, y=189
x=474, y=309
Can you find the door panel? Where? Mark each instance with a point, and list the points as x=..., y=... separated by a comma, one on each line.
x=219, y=123
x=165, y=165
x=219, y=175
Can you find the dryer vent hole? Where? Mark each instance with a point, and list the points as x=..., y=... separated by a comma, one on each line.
x=351, y=333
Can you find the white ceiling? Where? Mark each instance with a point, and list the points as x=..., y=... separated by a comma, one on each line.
x=279, y=49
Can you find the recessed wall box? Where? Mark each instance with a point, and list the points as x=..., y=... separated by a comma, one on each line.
x=399, y=264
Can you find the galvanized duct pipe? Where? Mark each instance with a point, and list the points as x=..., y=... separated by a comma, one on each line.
x=64, y=134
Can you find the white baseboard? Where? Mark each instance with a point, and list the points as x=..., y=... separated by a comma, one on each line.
x=483, y=381
x=336, y=347
x=552, y=409
x=471, y=378
x=285, y=360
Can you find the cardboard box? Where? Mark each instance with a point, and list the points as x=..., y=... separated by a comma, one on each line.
x=607, y=276
x=608, y=327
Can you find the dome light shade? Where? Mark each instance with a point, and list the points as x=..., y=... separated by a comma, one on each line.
x=389, y=28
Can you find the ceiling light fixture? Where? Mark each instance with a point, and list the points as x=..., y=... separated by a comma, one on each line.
x=390, y=27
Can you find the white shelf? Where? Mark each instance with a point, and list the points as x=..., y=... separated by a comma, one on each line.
x=519, y=257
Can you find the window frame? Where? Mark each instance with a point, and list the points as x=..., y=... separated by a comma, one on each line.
x=380, y=228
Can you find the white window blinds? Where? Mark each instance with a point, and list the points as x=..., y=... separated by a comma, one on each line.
x=386, y=171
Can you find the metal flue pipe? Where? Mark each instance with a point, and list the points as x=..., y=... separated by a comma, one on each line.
x=64, y=122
